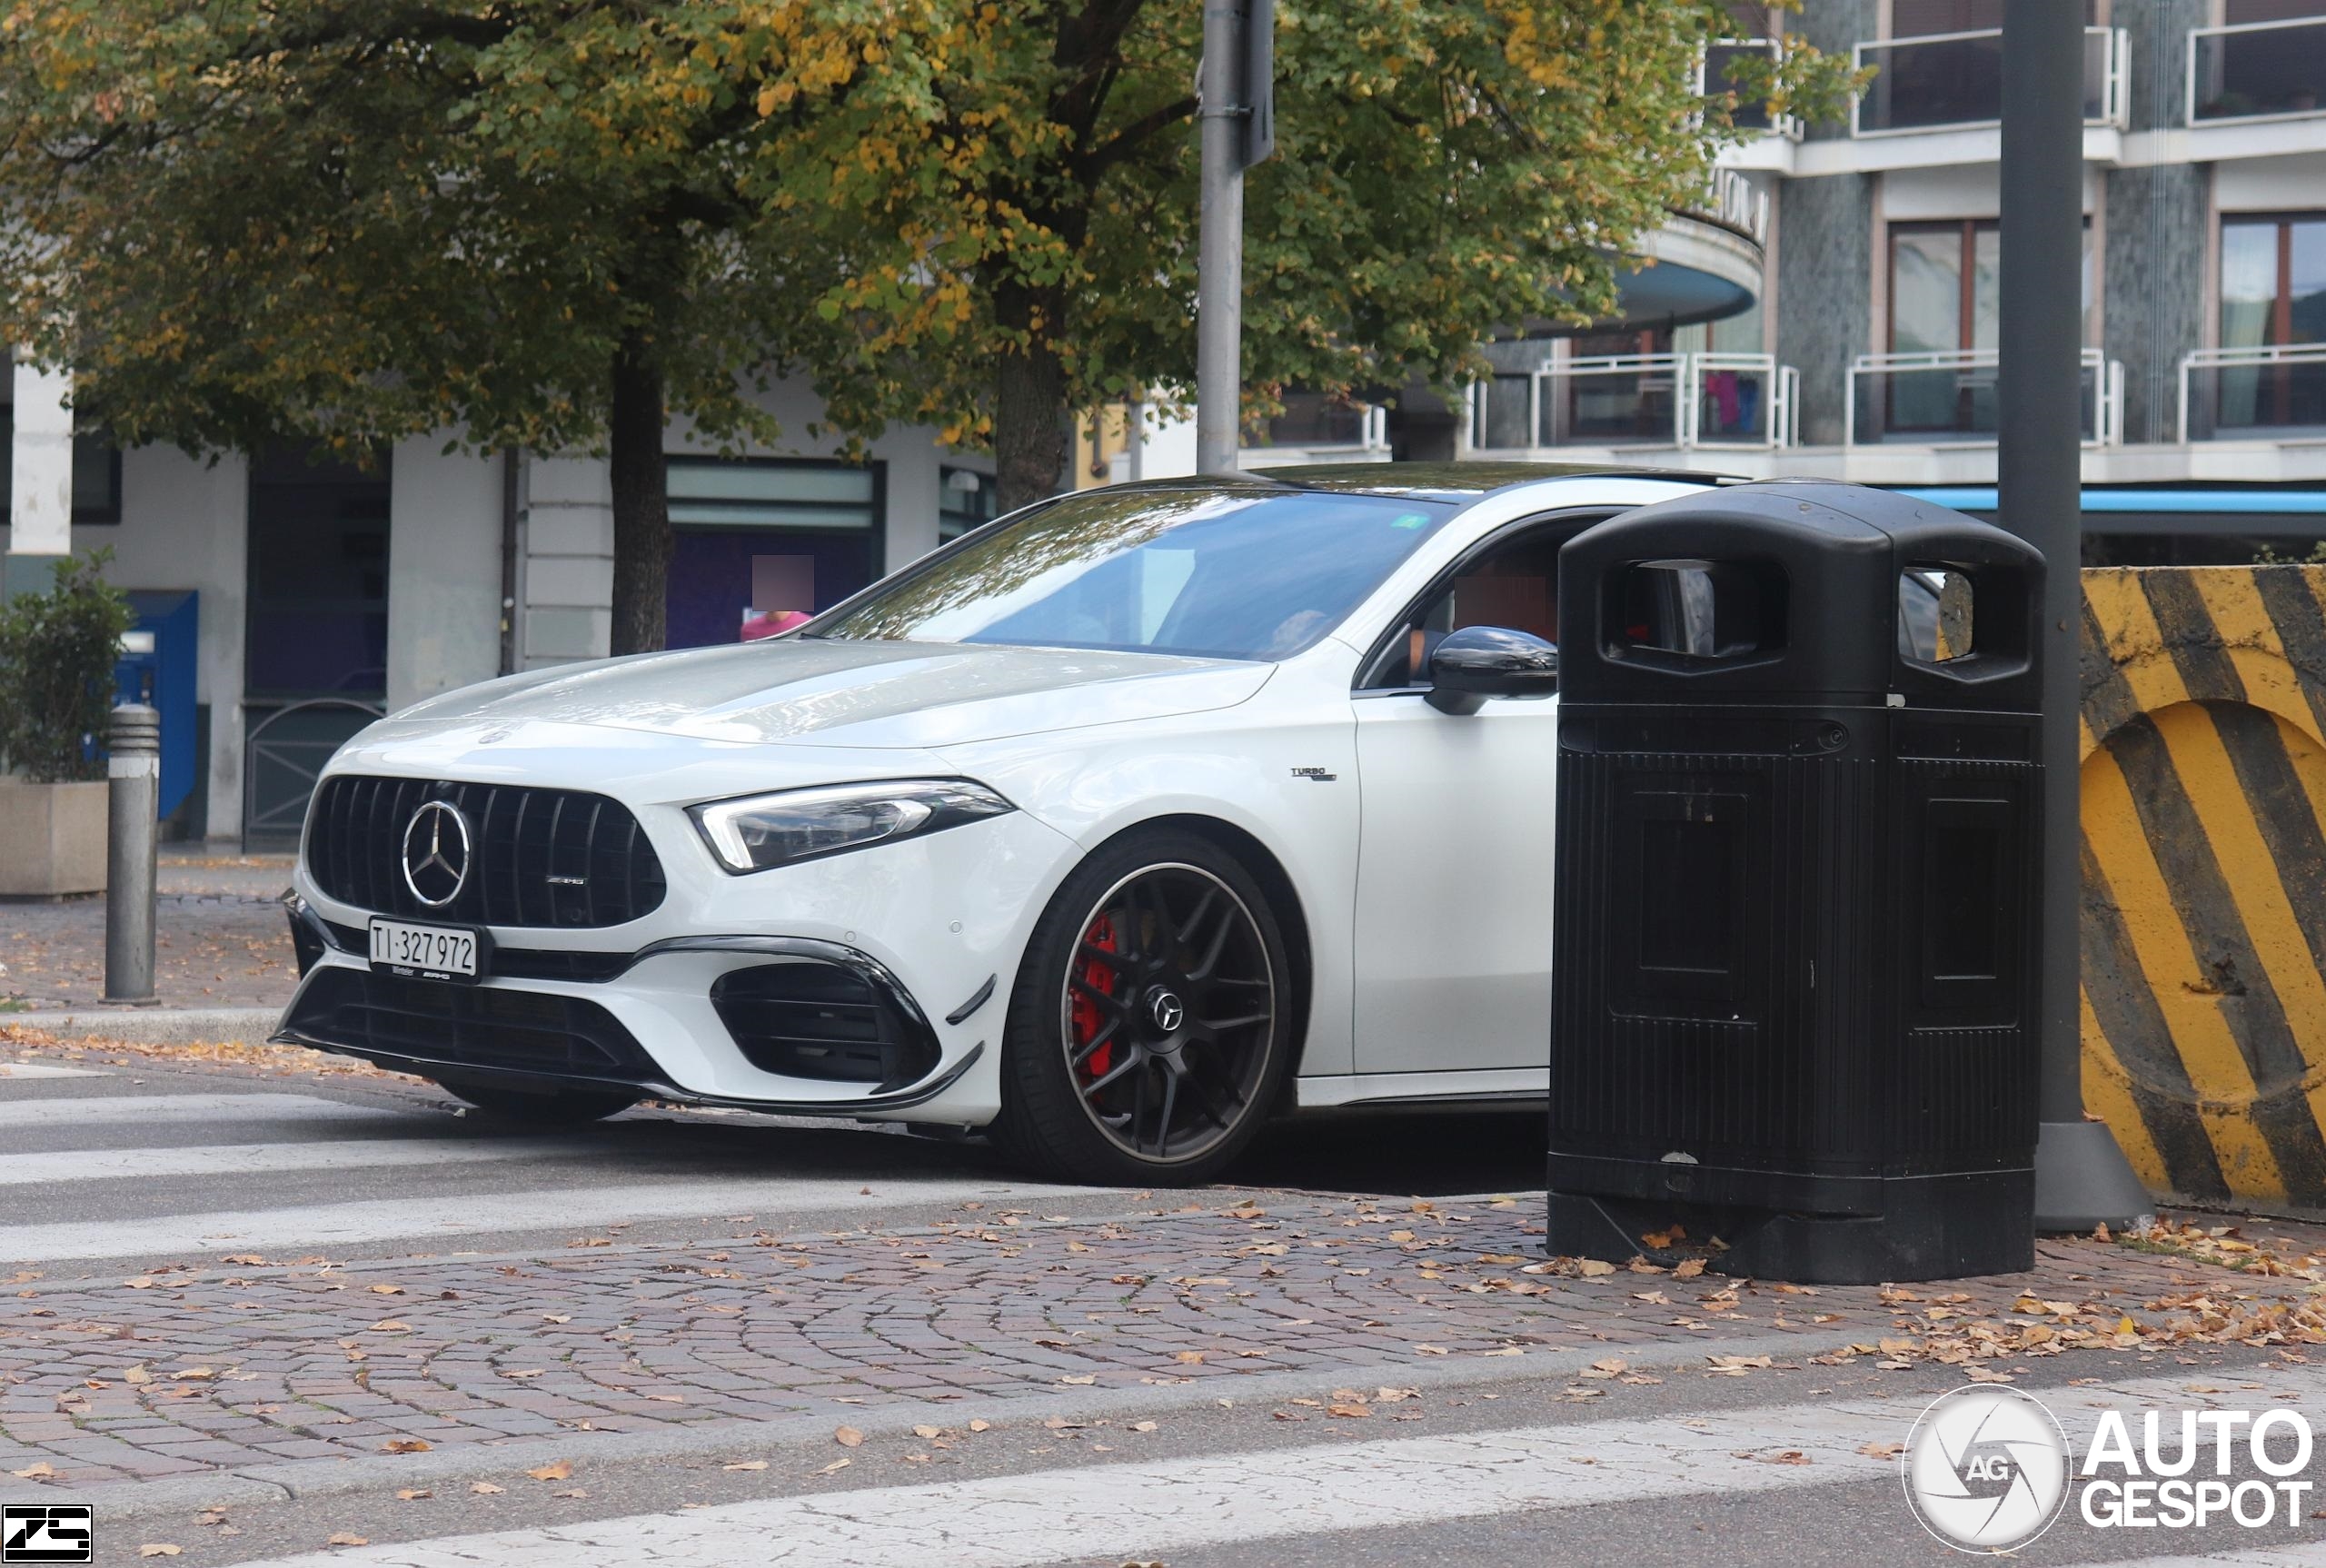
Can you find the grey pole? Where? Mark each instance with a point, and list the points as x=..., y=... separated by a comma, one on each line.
x=135, y=768
x=1220, y=264
x=2082, y=1177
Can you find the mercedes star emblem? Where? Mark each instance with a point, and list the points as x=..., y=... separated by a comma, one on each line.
x=1168, y=1011
x=436, y=851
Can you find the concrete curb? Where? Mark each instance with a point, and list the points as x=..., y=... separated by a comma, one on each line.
x=310, y=1478
x=153, y=1026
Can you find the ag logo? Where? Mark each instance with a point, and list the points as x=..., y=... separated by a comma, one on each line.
x=1986, y=1469
x=45, y=1533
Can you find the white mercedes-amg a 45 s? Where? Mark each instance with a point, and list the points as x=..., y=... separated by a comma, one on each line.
x=1114, y=827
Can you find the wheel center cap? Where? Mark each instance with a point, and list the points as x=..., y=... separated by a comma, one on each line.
x=1165, y=1009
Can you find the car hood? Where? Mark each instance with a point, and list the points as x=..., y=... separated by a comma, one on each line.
x=846, y=693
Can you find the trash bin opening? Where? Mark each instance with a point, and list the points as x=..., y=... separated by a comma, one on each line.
x=1938, y=620
x=1683, y=614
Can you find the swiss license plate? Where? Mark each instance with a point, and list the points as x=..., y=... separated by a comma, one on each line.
x=428, y=952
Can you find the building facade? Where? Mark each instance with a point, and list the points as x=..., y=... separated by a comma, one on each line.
x=1870, y=354
x=309, y=597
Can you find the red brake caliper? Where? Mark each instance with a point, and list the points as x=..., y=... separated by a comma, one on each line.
x=1099, y=977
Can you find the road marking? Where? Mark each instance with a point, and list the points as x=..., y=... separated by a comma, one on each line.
x=245, y=1159
x=48, y=1070
x=181, y=1108
x=1144, y=1509
x=436, y=1220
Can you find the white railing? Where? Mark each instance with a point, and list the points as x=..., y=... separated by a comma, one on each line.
x=1950, y=399
x=2295, y=389
x=1954, y=82
x=2257, y=71
x=1749, y=117
x=1673, y=400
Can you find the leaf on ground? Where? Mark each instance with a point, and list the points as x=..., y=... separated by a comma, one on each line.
x=836, y=1467
x=980, y=1426
x=1593, y=1268
x=387, y=1290
x=1354, y=1412
x=1084, y=1381
x=486, y=1488
x=1611, y=1366
x=1882, y=1450
x=926, y=1430
x=346, y=1538
x=1429, y=1350
x=137, y=1375
x=158, y=1549
x=414, y=1495
x=558, y=1471
x=1191, y=1357
x=1688, y=1268
x=1142, y=1426
x=40, y=1471
x=848, y=1436
x=406, y=1445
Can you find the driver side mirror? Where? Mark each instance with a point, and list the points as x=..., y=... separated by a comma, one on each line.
x=1481, y=662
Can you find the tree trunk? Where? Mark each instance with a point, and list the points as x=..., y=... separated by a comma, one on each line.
x=641, y=500
x=1029, y=445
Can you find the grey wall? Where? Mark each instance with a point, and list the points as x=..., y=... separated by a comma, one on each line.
x=2154, y=282
x=1825, y=292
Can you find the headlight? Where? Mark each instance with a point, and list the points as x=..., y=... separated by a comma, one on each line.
x=762, y=831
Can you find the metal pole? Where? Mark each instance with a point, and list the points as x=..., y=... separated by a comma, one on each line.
x=134, y=768
x=1220, y=275
x=2082, y=1177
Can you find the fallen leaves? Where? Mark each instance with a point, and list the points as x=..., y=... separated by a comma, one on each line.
x=414, y=1495
x=41, y=1469
x=746, y=1465
x=486, y=1489
x=835, y=1467
x=1735, y=1365
x=405, y=1445
x=159, y=1549
x=346, y=1538
x=558, y=1470
x=848, y=1437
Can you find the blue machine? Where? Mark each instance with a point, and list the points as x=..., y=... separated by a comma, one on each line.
x=157, y=667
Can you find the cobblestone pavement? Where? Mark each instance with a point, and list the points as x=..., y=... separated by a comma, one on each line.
x=185, y=1369
x=219, y=940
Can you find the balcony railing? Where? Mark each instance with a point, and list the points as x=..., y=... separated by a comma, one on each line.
x=1752, y=112
x=1954, y=80
x=1947, y=398
x=2254, y=393
x=1685, y=401
x=2258, y=71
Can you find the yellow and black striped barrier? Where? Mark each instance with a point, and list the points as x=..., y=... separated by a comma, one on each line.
x=2205, y=876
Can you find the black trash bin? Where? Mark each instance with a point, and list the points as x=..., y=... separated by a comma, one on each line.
x=1795, y=952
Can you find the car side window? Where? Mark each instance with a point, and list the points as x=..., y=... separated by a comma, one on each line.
x=1513, y=584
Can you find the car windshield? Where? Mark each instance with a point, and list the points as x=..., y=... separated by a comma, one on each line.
x=1233, y=575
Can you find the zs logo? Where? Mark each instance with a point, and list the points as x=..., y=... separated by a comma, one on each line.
x=45, y=1533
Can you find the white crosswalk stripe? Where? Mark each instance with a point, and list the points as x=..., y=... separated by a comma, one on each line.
x=1147, y=1509
x=155, y=1108
x=440, y=1220
x=213, y=1159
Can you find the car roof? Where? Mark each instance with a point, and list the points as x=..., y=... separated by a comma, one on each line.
x=1453, y=481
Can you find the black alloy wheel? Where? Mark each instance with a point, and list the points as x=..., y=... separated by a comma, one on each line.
x=1149, y=1029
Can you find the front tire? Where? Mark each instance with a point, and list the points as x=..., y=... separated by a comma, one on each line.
x=553, y=1108
x=1151, y=1028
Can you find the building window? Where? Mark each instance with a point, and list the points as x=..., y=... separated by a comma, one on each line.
x=965, y=500
x=2273, y=296
x=761, y=541
x=96, y=471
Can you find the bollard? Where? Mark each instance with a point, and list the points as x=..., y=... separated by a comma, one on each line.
x=135, y=768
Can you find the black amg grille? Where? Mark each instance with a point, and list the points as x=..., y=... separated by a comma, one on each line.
x=818, y=1020
x=540, y=857
x=425, y=1021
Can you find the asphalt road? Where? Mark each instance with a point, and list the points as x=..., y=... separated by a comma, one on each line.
x=112, y=1174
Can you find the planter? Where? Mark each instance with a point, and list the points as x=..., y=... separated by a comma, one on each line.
x=52, y=838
